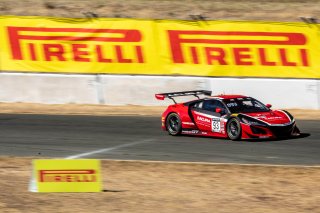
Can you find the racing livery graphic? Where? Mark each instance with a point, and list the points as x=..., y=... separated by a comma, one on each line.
x=228, y=116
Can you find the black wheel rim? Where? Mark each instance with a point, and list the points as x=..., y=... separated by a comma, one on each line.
x=173, y=124
x=233, y=129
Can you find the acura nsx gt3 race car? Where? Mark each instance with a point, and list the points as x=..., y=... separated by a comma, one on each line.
x=228, y=116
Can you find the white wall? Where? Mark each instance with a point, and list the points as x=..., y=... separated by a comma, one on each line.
x=278, y=92
x=140, y=90
x=48, y=89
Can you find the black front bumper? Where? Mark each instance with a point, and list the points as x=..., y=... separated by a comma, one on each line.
x=283, y=131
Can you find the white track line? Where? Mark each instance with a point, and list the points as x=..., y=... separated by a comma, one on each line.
x=107, y=149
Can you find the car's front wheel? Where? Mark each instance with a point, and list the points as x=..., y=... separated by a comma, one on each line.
x=234, y=129
x=173, y=124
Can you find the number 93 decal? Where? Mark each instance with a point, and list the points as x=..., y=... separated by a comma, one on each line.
x=216, y=125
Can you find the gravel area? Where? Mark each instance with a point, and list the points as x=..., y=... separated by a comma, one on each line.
x=138, y=187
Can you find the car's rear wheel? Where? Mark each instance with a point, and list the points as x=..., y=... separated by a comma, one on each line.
x=234, y=129
x=173, y=124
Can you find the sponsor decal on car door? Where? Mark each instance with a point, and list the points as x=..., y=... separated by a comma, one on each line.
x=207, y=122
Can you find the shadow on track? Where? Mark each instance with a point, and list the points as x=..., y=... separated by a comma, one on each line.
x=255, y=140
x=302, y=135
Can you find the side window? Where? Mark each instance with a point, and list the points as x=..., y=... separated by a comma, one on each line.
x=211, y=105
x=223, y=108
x=198, y=105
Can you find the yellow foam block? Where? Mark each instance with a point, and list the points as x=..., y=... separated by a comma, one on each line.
x=60, y=175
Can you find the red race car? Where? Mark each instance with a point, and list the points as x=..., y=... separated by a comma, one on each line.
x=227, y=116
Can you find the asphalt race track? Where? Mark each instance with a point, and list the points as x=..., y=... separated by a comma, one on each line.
x=140, y=138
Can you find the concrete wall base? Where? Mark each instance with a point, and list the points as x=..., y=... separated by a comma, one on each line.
x=140, y=90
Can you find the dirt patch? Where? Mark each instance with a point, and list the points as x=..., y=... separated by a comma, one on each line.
x=274, y=10
x=104, y=110
x=161, y=187
x=305, y=114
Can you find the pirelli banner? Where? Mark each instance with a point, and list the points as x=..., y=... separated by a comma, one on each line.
x=160, y=47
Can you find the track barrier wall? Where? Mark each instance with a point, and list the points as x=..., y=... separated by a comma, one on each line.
x=140, y=90
x=160, y=47
x=126, y=61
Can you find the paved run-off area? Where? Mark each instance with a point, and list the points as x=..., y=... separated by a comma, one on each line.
x=141, y=138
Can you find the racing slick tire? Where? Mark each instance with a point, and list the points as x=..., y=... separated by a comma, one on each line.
x=234, y=129
x=173, y=124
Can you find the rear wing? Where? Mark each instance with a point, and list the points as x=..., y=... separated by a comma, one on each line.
x=172, y=95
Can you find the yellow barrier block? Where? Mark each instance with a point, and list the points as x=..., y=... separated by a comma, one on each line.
x=60, y=175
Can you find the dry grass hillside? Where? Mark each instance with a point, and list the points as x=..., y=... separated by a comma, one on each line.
x=273, y=10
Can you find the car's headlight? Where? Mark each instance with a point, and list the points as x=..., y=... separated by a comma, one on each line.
x=251, y=121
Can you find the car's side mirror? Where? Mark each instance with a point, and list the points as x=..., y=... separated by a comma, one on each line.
x=218, y=110
x=268, y=105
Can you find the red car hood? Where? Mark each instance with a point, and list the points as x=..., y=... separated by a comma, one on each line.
x=271, y=117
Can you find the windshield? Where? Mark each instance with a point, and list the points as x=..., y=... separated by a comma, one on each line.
x=237, y=105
